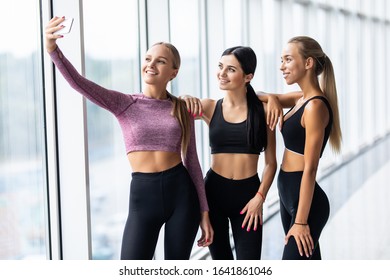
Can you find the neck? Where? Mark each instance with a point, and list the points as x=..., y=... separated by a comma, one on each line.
x=156, y=92
x=310, y=88
x=235, y=98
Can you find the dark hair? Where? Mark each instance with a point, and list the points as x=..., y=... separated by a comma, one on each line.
x=256, y=123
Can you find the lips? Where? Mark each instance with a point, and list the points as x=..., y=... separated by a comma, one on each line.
x=222, y=81
x=150, y=72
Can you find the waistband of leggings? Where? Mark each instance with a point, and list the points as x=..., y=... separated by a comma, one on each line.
x=220, y=177
x=168, y=171
x=299, y=172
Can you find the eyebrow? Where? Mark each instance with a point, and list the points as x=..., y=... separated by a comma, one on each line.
x=148, y=55
x=232, y=66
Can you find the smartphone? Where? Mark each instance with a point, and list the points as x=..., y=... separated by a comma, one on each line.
x=67, y=23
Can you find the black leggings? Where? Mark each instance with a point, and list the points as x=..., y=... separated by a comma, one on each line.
x=289, y=185
x=226, y=199
x=168, y=197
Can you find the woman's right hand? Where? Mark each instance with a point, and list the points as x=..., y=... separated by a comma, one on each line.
x=51, y=38
x=193, y=104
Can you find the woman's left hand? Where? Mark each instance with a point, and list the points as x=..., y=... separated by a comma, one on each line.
x=207, y=231
x=274, y=112
x=303, y=238
x=254, y=213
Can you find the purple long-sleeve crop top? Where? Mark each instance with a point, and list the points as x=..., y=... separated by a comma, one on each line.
x=146, y=123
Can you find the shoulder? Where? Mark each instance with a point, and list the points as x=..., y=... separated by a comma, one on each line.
x=316, y=111
x=208, y=104
x=316, y=106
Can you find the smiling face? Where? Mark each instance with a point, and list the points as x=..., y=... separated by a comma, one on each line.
x=293, y=64
x=230, y=74
x=158, y=66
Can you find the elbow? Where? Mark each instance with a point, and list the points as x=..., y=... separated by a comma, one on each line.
x=311, y=170
x=271, y=166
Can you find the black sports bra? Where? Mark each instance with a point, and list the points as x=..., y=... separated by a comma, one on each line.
x=228, y=137
x=294, y=134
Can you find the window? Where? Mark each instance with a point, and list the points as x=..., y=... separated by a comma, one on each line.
x=112, y=60
x=23, y=213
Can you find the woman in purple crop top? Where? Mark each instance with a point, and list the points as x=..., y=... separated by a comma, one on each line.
x=313, y=118
x=167, y=186
x=238, y=134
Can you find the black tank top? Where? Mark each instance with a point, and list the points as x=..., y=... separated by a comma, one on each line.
x=294, y=135
x=228, y=137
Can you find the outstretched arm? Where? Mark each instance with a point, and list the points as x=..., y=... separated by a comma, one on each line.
x=113, y=101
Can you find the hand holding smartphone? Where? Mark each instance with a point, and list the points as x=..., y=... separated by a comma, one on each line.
x=67, y=23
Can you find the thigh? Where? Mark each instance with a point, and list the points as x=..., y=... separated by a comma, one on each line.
x=139, y=237
x=183, y=216
x=247, y=244
x=285, y=217
x=217, y=199
x=220, y=249
x=144, y=220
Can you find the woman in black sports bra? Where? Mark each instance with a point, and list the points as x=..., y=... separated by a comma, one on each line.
x=306, y=128
x=238, y=134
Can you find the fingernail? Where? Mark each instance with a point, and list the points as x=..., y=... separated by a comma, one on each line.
x=242, y=226
x=248, y=230
x=241, y=212
x=194, y=115
x=201, y=114
x=254, y=229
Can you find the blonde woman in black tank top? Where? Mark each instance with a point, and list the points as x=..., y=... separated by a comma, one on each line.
x=313, y=118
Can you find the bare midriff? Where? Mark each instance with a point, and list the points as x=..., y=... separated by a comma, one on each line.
x=292, y=161
x=153, y=161
x=235, y=166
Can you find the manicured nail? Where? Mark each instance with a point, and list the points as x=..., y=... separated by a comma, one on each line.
x=201, y=114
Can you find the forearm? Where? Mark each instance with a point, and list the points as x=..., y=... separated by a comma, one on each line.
x=267, y=178
x=191, y=162
x=286, y=100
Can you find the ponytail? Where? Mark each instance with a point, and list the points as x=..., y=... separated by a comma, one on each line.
x=328, y=86
x=179, y=111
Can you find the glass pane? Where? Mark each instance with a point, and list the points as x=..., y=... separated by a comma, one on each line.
x=22, y=147
x=112, y=60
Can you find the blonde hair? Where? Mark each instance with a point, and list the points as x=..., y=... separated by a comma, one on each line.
x=179, y=109
x=308, y=47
